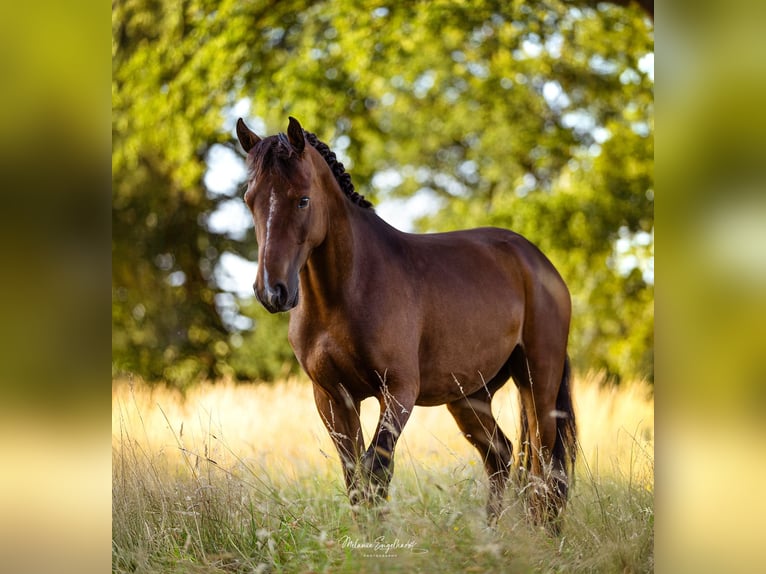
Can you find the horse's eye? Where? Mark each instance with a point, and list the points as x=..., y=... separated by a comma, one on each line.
x=303, y=202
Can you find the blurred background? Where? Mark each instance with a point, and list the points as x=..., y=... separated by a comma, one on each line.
x=535, y=116
x=179, y=75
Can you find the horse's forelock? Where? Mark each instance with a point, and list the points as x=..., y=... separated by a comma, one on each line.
x=271, y=153
x=276, y=153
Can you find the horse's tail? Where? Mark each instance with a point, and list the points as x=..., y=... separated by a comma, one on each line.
x=565, y=448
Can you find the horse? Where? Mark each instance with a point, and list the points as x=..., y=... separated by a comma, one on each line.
x=411, y=319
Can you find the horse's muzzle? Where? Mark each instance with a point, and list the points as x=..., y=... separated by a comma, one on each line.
x=276, y=298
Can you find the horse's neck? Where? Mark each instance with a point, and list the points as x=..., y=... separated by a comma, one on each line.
x=351, y=241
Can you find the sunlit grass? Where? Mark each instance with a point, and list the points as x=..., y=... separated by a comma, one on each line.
x=244, y=478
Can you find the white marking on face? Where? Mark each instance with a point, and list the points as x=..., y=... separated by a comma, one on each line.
x=269, y=219
x=270, y=216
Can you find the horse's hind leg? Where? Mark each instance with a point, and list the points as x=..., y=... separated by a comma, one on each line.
x=539, y=379
x=473, y=415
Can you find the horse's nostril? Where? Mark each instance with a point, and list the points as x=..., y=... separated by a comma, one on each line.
x=280, y=294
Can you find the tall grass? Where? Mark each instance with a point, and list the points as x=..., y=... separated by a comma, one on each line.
x=243, y=478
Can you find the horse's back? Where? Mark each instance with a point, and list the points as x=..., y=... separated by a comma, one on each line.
x=481, y=254
x=477, y=291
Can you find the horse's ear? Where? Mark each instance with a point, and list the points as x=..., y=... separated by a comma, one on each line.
x=295, y=135
x=246, y=137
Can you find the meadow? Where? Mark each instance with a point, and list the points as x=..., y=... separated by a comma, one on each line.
x=244, y=478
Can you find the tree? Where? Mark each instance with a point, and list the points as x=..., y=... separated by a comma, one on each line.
x=532, y=115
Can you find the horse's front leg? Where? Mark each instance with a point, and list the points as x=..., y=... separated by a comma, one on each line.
x=378, y=460
x=341, y=417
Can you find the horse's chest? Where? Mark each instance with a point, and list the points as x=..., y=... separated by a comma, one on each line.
x=331, y=357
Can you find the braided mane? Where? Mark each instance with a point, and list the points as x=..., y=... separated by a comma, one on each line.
x=341, y=175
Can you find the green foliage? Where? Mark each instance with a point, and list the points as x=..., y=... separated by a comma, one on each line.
x=262, y=353
x=536, y=116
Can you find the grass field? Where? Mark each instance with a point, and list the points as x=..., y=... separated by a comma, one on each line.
x=243, y=478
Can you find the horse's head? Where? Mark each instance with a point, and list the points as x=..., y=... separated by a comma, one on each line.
x=289, y=215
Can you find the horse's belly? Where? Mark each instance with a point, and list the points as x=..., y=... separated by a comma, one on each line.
x=459, y=365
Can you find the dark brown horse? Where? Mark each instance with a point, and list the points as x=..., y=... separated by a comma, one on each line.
x=443, y=318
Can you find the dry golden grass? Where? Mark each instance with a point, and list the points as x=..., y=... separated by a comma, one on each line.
x=278, y=426
x=245, y=478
